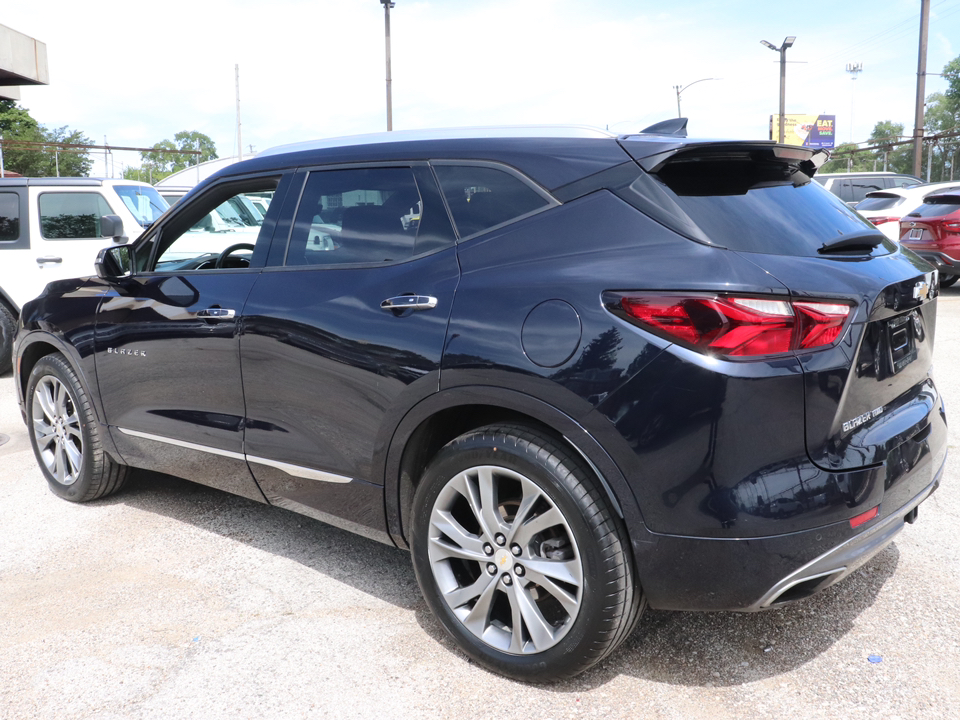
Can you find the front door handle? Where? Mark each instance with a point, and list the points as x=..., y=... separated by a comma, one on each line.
x=217, y=314
x=49, y=259
x=409, y=302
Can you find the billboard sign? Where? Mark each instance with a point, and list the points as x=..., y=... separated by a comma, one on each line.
x=812, y=131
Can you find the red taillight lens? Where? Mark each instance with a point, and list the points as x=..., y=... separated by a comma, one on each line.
x=884, y=220
x=739, y=327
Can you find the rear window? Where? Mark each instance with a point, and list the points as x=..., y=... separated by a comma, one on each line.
x=145, y=203
x=759, y=207
x=937, y=207
x=884, y=202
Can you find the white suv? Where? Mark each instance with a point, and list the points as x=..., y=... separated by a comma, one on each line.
x=52, y=228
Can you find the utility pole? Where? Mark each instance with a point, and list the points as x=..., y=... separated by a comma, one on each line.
x=921, y=86
x=236, y=69
x=387, y=4
x=3, y=173
x=787, y=43
x=853, y=69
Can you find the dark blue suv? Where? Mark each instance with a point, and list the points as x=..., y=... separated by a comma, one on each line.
x=574, y=374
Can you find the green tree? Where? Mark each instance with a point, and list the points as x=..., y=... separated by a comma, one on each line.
x=166, y=157
x=843, y=160
x=18, y=126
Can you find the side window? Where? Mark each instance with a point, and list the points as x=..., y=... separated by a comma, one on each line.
x=217, y=230
x=483, y=197
x=9, y=217
x=71, y=215
x=368, y=215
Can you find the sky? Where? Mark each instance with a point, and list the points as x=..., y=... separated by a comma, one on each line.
x=138, y=72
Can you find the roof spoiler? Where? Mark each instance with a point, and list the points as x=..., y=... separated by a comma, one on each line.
x=673, y=126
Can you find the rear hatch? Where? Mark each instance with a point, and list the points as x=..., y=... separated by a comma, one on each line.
x=923, y=227
x=870, y=392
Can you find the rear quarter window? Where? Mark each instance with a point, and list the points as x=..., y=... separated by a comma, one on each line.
x=481, y=198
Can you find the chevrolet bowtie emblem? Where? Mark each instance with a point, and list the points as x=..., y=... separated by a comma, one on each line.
x=921, y=291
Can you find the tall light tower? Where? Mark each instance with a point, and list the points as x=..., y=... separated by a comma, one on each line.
x=787, y=42
x=387, y=4
x=681, y=89
x=853, y=69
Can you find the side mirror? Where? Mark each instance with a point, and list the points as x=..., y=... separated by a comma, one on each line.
x=115, y=262
x=111, y=226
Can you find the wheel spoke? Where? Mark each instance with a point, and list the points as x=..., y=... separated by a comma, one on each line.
x=541, y=632
x=60, y=399
x=74, y=456
x=466, y=545
x=61, y=467
x=44, y=395
x=44, y=433
x=564, y=597
x=461, y=596
x=479, y=617
x=522, y=534
x=531, y=493
x=488, y=498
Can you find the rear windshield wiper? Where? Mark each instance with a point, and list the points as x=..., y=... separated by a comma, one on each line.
x=866, y=240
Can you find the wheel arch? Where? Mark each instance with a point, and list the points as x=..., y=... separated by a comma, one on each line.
x=38, y=345
x=447, y=414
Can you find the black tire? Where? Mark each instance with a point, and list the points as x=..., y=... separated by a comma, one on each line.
x=66, y=436
x=577, y=621
x=8, y=326
x=948, y=280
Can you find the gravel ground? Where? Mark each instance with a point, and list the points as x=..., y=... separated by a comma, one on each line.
x=172, y=600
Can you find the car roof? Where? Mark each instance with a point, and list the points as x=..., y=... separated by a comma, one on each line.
x=551, y=155
x=67, y=181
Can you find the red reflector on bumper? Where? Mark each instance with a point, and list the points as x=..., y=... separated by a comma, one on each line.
x=866, y=517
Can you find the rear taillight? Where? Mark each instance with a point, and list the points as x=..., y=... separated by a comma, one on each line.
x=884, y=220
x=952, y=227
x=735, y=327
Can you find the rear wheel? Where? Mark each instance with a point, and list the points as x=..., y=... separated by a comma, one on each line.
x=948, y=280
x=520, y=557
x=7, y=328
x=66, y=436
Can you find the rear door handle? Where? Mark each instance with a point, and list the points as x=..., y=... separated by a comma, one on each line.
x=48, y=259
x=217, y=314
x=409, y=302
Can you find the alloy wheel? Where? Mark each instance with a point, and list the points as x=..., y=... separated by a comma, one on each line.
x=56, y=427
x=505, y=560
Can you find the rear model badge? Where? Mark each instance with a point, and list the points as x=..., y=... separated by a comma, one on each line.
x=856, y=422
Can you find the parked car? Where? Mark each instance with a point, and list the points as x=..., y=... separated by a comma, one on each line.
x=52, y=228
x=853, y=187
x=884, y=208
x=933, y=232
x=574, y=374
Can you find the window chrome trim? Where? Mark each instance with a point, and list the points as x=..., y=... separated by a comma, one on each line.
x=294, y=470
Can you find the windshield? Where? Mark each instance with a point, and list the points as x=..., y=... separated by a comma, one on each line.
x=144, y=202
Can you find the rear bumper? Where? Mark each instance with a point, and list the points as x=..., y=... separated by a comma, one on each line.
x=750, y=574
x=946, y=264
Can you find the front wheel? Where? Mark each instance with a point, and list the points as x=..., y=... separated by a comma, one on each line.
x=948, y=280
x=66, y=436
x=8, y=326
x=520, y=556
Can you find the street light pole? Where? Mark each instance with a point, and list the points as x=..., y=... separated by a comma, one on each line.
x=787, y=42
x=681, y=89
x=387, y=4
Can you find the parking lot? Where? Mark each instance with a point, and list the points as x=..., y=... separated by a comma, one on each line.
x=172, y=600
